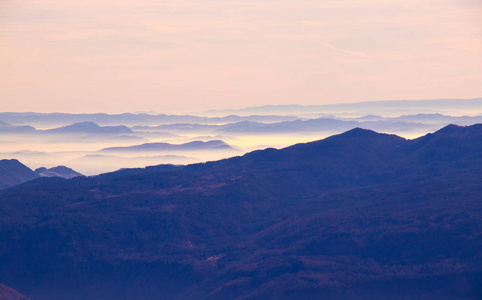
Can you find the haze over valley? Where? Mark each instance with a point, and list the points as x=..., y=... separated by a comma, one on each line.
x=99, y=143
x=359, y=215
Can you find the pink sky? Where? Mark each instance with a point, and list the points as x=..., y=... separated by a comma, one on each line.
x=183, y=56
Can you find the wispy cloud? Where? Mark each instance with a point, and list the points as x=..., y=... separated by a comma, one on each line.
x=167, y=54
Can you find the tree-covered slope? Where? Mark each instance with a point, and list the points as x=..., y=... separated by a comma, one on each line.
x=359, y=215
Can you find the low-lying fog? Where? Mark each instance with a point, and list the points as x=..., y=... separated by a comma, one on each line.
x=99, y=143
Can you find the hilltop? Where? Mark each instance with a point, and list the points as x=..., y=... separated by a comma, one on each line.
x=360, y=215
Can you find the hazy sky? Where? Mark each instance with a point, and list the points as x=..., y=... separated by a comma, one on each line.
x=173, y=56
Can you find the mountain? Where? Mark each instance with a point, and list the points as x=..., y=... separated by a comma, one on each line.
x=312, y=126
x=321, y=124
x=62, y=119
x=13, y=172
x=155, y=147
x=318, y=125
x=359, y=215
x=90, y=127
x=59, y=171
x=386, y=108
x=7, y=293
x=439, y=119
x=262, y=114
x=9, y=128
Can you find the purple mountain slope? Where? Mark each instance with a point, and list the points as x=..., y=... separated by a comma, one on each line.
x=13, y=172
x=196, y=145
x=90, y=127
x=59, y=171
x=360, y=215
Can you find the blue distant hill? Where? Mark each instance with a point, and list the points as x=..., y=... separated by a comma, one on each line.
x=192, y=146
x=91, y=128
x=13, y=172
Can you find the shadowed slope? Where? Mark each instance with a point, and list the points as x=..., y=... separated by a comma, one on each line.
x=359, y=215
x=12, y=172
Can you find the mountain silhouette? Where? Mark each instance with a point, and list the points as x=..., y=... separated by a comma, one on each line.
x=90, y=127
x=49, y=120
x=195, y=145
x=13, y=172
x=360, y=215
x=9, y=128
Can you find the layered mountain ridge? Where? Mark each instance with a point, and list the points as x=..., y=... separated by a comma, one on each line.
x=360, y=215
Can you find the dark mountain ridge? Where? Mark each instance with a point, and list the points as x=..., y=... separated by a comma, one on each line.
x=450, y=143
x=56, y=119
x=13, y=172
x=396, y=106
x=90, y=127
x=310, y=126
x=359, y=215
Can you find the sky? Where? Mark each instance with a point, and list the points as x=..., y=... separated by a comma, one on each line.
x=183, y=56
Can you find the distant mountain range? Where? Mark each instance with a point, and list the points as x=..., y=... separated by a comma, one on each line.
x=8, y=128
x=263, y=114
x=157, y=147
x=360, y=215
x=386, y=108
x=403, y=124
x=76, y=128
x=59, y=119
x=13, y=172
x=90, y=127
x=313, y=125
